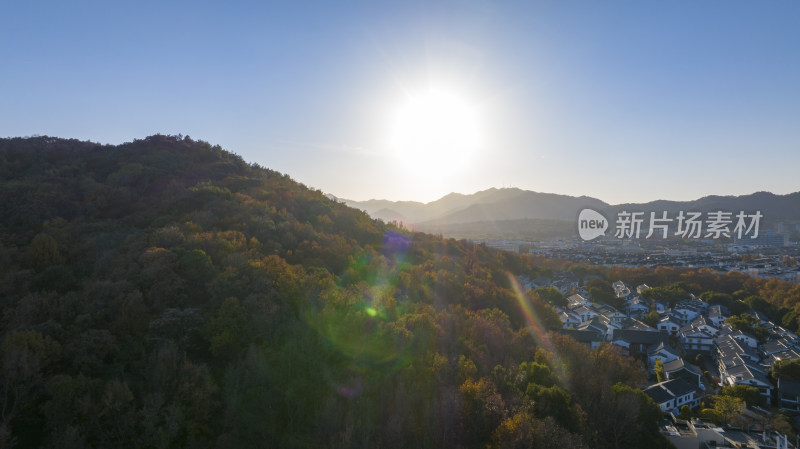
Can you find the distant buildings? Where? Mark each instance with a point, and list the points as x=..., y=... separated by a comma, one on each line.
x=767, y=239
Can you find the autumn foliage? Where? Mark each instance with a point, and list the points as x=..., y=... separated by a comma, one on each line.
x=164, y=293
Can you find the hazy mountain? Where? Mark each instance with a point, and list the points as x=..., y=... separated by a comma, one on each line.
x=775, y=208
x=497, y=213
x=491, y=204
x=524, y=205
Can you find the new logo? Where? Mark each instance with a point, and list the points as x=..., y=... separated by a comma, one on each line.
x=591, y=224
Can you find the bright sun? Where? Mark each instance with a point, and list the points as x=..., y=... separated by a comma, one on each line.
x=436, y=133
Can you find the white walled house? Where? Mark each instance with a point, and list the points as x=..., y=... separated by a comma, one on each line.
x=663, y=352
x=569, y=319
x=668, y=325
x=746, y=339
x=673, y=394
x=695, y=339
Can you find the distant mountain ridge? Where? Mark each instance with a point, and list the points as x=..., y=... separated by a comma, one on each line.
x=774, y=207
x=502, y=204
x=455, y=210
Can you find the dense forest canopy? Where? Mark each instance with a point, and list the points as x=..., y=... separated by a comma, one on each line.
x=165, y=293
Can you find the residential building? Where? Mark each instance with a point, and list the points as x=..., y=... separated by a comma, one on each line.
x=673, y=394
x=680, y=369
x=668, y=325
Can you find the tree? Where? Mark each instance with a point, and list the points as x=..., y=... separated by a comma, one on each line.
x=226, y=330
x=602, y=292
x=550, y=401
x=631, y=420
x=786, y=369
x=659, y=369
x=552, y=296
x=521, y=431
x=699, y=360
x=671, y=294
x=749, y=394
x=789, y=320
x=711, y=414
x=728, y=407
x=43, y=252
x=743, y=322
x=652, y=318
x=686, y=412
x=483, y=409
x=724, y=299
x=24, y=355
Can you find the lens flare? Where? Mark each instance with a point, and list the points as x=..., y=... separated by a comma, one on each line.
x=538, y=331
x=351, y=316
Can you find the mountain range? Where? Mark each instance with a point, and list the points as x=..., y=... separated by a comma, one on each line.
x=508, y=212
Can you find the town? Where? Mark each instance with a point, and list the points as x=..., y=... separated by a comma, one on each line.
x=693, y=349
x=775, y=255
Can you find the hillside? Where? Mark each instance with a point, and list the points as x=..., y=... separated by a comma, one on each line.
x=164, y=293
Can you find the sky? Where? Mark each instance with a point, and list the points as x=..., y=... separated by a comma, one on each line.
x=619, y=100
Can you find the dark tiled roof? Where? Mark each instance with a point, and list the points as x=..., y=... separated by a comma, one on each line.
x=633, y=324
x=678, y=387
x=643, y=337
x=679, y=364
x=746, y=373
x=671, y=389
x=658, y=394
x=582, y=336
x=655, y=348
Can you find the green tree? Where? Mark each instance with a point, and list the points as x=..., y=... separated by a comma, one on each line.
x=43, y=252
x=652, y=318
x=483, y=409
x=659, y=369
x=550, y=401
x=728, y=407
x=521, y=431
x=552, y=296
x=789, y=320
x=466, y=368
x=602, y=292
x=686, y=412
x=226, y=330
x=786, y=369
x=749, y=394
x=24, y=359
x=671, y=294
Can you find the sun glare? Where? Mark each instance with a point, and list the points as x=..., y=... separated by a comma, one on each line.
x=435, y=133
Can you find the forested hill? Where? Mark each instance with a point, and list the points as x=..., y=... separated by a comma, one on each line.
x=164, y=293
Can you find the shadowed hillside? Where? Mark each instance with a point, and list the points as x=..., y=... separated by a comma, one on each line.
x=164, y=293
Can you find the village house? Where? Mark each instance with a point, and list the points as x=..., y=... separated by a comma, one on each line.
x=748, y=374
x=637, y=342
x=668, y=325
x=717, y=314
x=637, y=307
x=671, y=395
x=694, y=339
x=662, y=351
x=680, y=369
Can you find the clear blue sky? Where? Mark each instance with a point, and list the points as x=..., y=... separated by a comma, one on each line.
x=620, y=100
